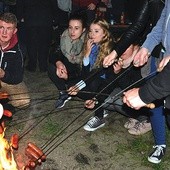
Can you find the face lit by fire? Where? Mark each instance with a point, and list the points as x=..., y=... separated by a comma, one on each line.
x=75, y=29
x=7, y=30
x=96, y=33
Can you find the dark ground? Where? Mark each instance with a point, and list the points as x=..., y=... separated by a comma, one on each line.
x=109, y=148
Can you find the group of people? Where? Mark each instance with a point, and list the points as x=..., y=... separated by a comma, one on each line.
x=91, y=62
x=72, y=70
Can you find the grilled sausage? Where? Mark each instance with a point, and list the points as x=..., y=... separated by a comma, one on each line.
x=32, y=154
x=7, y=113
x=37, y=150
x=14, y=141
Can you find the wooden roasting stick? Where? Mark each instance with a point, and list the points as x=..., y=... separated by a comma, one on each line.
x=150, y=105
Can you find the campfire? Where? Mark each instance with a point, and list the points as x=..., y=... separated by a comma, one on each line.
x=7, y=161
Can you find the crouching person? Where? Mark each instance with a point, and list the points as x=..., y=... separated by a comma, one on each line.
x=12, y=62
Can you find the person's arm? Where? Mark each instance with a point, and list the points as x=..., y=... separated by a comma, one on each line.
x=155, y=36
x=130, y=35
x=156, y=88
x=153, y=39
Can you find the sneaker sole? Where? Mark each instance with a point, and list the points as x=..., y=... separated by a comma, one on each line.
x=154, y=161
x=138, y=133
x=69, y=98
x=93, y=129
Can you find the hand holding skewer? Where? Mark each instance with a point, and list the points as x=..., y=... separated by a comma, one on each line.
x=132, y=99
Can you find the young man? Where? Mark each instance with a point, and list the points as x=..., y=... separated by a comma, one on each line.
x=12, y=62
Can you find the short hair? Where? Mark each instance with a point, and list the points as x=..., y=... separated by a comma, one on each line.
x=8, y=18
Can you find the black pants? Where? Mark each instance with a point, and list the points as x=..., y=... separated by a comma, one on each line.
x=60, y=83
x=95, y=89
x=38, y=40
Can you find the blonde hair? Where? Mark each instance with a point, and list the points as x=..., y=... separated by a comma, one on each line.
x=105, y=45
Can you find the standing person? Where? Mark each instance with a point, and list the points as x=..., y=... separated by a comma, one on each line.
x=12, y=62
x=118, y=7
x=65, y=65
x=160, y=33
x=63, y=12
x=87, y=7
x=98, y=44
x=37, y=17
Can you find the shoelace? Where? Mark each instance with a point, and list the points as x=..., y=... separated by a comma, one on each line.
x=158, y=151
x=93, y=121
x=139, y=124
x=130, y=121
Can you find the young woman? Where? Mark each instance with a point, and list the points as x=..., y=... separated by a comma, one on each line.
x=98, y=44
x=64, y=65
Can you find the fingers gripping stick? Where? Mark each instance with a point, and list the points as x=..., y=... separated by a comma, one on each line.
x=150, y=105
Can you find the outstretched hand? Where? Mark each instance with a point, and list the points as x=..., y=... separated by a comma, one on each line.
x=109, y=59
x=141, y=57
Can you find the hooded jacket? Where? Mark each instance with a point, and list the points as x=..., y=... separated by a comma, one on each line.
x=12, y=62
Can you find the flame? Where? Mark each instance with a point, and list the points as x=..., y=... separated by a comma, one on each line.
x=7, y=161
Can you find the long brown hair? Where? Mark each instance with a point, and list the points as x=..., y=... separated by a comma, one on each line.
x=106, y=44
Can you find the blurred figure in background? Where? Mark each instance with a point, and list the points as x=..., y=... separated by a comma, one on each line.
x=87, y=7
x=37, y=17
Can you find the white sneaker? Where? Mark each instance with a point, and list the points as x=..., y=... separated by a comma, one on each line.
x=157, y=154
x=130, y=123
x=140, y=128
x=94, y=123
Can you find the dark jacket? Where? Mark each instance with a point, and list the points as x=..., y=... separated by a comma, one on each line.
x=157, y=88
x=145, y=17
x=12, y=62
x=37, y=12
